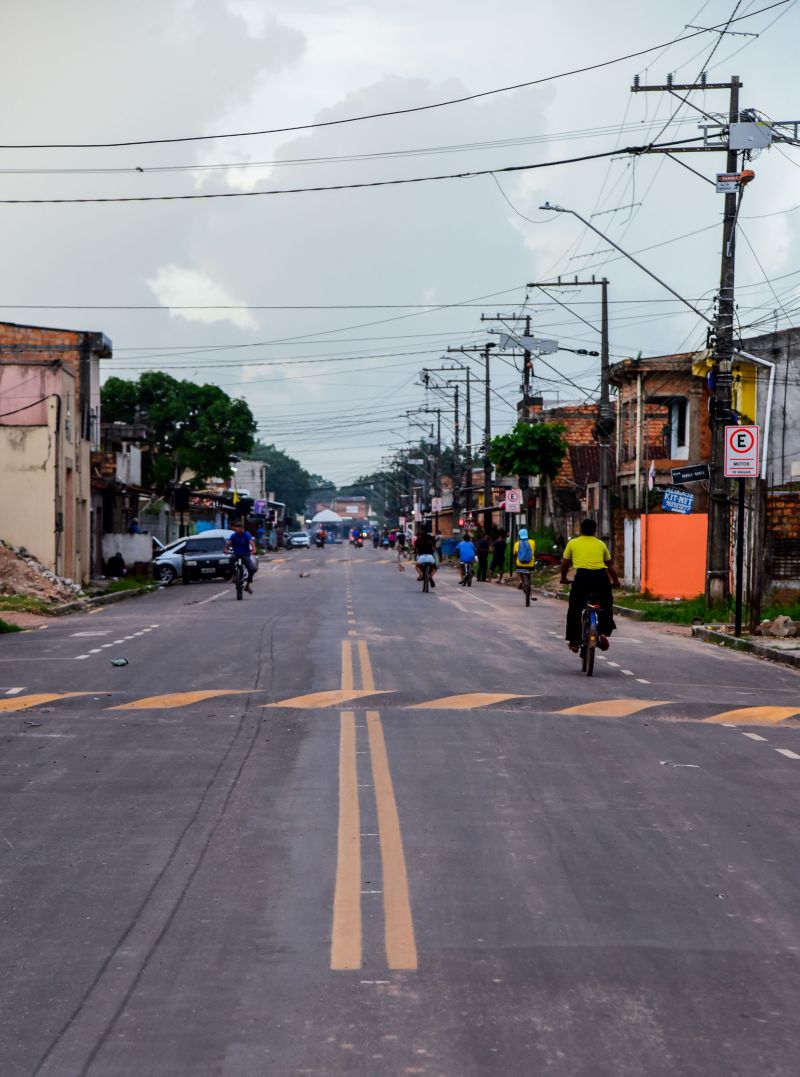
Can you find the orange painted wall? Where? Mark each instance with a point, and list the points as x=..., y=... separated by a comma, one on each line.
x=674, y=554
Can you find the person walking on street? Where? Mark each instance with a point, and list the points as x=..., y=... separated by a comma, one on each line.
x=498, y=556
x=483, y=558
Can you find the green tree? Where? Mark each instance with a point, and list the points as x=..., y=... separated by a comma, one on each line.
x=530, y=449
x=190, y=427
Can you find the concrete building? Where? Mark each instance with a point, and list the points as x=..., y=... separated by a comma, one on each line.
x=49, y=424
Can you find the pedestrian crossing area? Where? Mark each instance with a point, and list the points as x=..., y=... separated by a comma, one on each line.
x=491, y=703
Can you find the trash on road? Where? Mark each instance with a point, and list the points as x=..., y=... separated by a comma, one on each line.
x=672, y=763
x=119, y=661
x=303, y=575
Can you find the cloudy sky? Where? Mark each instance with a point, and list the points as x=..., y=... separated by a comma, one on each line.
x=321, y=307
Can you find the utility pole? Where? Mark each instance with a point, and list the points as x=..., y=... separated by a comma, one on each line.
x=605, y=420
x=487, y=433
x=717, y=587
x=527, y=359
x=440, y=387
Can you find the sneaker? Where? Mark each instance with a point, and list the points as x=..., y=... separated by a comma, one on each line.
x=432, y=582
x=248, y=588
x=574, y=647
x=602, y=643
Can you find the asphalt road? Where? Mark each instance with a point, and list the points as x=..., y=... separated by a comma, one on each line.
x=343, y=827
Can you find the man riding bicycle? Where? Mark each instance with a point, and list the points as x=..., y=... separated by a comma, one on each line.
x=466, y=556
x=594, y=577
x=241, y=544
x=425, y=554
x=522, y=554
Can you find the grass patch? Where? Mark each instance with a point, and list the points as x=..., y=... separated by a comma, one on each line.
x=6, y=627
x=130, y=583
x=693, y=610
x=24, y=604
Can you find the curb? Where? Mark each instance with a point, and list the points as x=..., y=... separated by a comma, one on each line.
x=708, y=635
x=81, y=605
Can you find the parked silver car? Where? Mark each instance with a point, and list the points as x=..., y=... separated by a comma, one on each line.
x=300, y=538
x=195, y=557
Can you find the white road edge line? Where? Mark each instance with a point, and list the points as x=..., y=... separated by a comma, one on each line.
x=754, y=736
x=788, y=753
x=641, y=680
x=14, y=691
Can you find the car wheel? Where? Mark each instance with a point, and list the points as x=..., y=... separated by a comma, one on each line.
x=166, y=574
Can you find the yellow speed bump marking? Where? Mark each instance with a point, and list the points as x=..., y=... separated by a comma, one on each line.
x=317, y=700
x=175, y=699
x=614, y=708
x=755, y=715
x=468, y=701
x=22, y=703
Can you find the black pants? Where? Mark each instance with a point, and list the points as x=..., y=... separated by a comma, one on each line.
x=483, y=561
x=595, y=582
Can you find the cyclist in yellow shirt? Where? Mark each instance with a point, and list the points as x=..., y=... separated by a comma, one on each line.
x=594, y=575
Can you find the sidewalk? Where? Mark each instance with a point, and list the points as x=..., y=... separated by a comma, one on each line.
x=784, y=651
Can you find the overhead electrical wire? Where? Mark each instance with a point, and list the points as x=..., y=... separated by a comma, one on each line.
x=366, y=184
x=391, y=112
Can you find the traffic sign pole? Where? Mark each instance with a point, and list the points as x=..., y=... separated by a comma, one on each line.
x=739, y=556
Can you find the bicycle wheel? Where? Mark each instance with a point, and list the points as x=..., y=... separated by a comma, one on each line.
x=469, y=576
x=526, y=585
x=426, y=577
x=239, y=581
x=590, y=645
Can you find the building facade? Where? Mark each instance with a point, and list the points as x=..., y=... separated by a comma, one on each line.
x=49, y=424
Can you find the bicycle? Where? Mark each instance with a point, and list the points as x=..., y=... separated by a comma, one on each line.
x=468, y=572
x=589, y=635
x=239, y=576
x=426, y=577
x=525, y=577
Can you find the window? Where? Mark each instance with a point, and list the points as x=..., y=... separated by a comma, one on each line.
x=679, y=422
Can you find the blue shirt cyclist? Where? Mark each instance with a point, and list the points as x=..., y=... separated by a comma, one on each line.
x=466, y=555
x=241, y=544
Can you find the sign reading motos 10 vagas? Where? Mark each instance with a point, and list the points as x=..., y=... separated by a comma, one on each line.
x=741, y=452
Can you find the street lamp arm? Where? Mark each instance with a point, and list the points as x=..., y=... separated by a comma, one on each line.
x=616, y=246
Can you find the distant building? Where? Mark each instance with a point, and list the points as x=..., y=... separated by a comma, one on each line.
x=49, y=424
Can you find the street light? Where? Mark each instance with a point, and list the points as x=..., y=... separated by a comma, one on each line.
x=616, y=246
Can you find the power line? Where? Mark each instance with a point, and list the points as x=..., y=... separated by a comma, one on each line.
x=343, y=186
x=382, y=115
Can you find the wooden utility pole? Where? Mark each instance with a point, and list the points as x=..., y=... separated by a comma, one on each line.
x=487, y=434
x=605, y=419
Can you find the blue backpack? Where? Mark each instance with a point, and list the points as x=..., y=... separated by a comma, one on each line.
x=524, y=552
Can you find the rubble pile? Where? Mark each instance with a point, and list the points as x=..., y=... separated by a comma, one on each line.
x=781, y=628
x=22, y=574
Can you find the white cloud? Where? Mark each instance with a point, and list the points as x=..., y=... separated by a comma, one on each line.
x=174, y=286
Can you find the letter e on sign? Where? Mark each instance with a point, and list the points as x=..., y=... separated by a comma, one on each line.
x=741, y=452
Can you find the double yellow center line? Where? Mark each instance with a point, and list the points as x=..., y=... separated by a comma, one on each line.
x=346, y=937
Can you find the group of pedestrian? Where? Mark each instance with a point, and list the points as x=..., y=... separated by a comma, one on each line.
x=477, y=550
